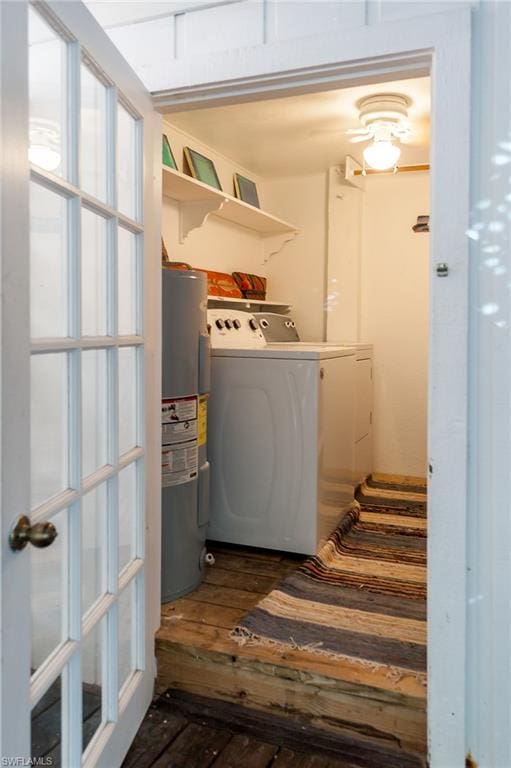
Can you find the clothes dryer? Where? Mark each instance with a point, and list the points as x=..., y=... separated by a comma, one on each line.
x=277, y=328
x=280, y=426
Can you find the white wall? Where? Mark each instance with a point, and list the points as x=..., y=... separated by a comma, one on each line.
x=225, y=167
x=297, y=273
x=394, y=317
x=162, y=41
x=344, y=259
x=358, y=256
x=217, y=245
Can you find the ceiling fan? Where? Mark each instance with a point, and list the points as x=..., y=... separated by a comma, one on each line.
x=384, y=119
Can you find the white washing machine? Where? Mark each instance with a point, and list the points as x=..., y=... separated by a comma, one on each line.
x=280, y=329
x=280, y=424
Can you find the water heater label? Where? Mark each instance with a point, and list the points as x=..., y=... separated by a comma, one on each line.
x=179, y=463
x=178, y=409
x=203, y=419
x=177, y=432
x=180, y=449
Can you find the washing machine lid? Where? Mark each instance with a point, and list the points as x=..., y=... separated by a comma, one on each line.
x=287, y=351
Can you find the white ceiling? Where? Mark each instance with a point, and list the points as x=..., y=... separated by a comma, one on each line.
x=303, y=134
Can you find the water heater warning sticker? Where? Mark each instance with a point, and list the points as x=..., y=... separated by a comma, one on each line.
x=179, y=463
x=180, y=450
x=176, y=432
x=178, y=409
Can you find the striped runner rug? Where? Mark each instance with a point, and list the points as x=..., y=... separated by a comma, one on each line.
x=364, y=595
x=397, y=498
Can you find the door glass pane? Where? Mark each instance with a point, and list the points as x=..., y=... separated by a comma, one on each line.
x=93, y=139
x=128, y=398
x=48, y=263
x=49, y=426
x=94, y=274
x=126, y=625
x=49, y=569
x=127, y=511
x=128, y=284
x=46, y=728
x=91, y=684
x=128, y=175
x=94, y=527
x=94, y=410
x=47, y=92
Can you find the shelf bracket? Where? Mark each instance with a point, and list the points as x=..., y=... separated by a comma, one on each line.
x=275, y=243
x=192, y=215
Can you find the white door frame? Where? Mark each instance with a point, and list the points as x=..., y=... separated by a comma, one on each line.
x=112, y=743
x=440, y=45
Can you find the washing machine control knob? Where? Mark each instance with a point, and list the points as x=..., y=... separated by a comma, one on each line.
x=253, y=323
x=236, y=324
x=228, y=324
x=219, y=323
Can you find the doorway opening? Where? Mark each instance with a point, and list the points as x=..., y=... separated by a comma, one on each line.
x=348, y=267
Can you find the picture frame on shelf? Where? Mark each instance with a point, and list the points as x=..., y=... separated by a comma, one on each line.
x=246, y=190
x=168, y=158
x=201, y=168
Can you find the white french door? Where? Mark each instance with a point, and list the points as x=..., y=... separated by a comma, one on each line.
x=79, y=389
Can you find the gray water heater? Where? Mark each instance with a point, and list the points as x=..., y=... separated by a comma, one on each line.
x=185, y=468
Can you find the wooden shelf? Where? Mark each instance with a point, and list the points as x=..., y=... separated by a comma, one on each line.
x=202, y=200
x=249, y=302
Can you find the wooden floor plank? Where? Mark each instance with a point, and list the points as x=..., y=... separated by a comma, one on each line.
x=230, y=598
x=46, y=726
x=320, y=704
x=272, y=569
x=254, y=553
x=302, y=740
x=51, y=696
x=215, y=643
x=243, y=750
x=197, y=746
x=286, y=758
x=240, y=580
x=188, y=610
x=157, y=731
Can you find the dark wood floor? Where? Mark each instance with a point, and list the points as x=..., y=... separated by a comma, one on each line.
x=186, y=731
x=46, y=722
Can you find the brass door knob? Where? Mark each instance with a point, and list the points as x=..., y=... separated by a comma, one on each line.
x=39, y=535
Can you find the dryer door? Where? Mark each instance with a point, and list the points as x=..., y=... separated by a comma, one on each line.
x=263, y=451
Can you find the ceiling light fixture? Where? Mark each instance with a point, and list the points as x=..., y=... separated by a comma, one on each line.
x=384, y=121
x=382, y=154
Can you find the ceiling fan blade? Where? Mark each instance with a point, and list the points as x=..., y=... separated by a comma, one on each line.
x=357, y=139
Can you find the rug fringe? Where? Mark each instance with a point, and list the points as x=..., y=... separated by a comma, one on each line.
x=243, y=637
